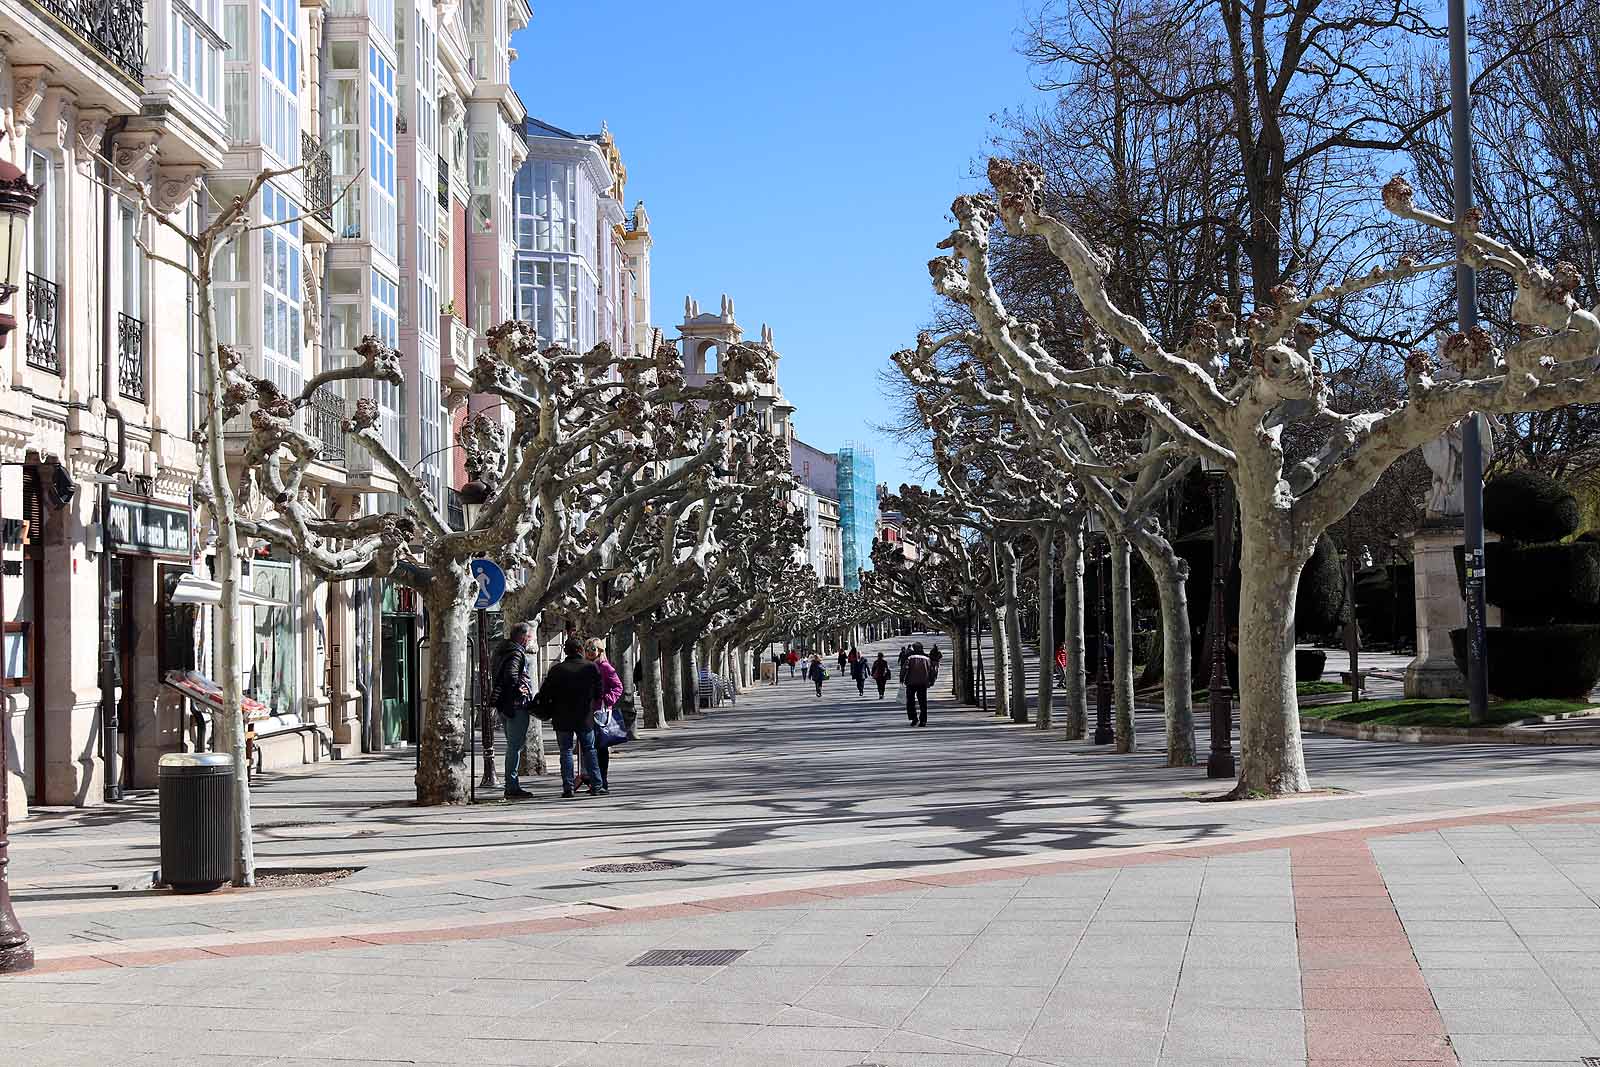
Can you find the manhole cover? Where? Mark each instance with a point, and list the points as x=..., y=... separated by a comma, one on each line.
x=633, y=868
x=688, y=957
x=1591, y=1061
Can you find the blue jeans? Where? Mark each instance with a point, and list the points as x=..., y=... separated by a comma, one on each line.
x=516, y=728
x=591, y=766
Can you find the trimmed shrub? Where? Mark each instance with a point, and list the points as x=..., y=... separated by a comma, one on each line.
x=1309, y=664
x=1530, y=507
x=1321, y=607
x=1538, y=661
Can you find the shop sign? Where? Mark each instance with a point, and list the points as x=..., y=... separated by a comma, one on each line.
x=149, y=528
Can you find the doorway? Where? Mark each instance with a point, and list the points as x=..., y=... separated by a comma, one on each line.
x=398, y=656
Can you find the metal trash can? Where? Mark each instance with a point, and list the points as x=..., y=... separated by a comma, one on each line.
x=196, y=820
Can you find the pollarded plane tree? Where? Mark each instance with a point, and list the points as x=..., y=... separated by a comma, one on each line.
x=570, y=417
x=1232, y=387
x=1005, y=492
x=1122, y=466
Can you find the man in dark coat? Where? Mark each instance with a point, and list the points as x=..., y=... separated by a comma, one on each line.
x=513, y=680
x=568, y=695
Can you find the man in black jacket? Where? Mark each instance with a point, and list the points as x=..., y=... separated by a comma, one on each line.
x=513, y=680
x=570, y=692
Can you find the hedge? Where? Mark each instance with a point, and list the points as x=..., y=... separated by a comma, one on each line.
x=1309, y=663
x=1530, y=507
x=1320, y=605
x=1538, y=661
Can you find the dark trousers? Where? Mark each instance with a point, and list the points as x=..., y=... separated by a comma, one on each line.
x=602, y=756
x=861, y=684
x=917, y=704
x=882, y=682
x=819, y=685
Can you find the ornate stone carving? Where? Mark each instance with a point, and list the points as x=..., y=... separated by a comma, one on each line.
x=134, y=155
x=92, y=122
x=56, y=120
x=28, y=86
x=173, y=186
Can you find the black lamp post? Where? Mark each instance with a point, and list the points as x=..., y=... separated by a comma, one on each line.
x=1219, y=764
x=17, y=198
x=1103, y=733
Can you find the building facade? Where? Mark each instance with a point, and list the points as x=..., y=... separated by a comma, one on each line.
x=858, y=510
x=404, y=135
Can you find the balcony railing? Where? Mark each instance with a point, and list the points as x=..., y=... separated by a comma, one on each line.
x=130, y=357
x=114, y=27
x=44, y=313
x=444, y=182
x=327, y=414
x=317, y=179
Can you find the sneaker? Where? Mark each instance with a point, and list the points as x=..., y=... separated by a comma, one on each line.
x=517, y=794
x=599, y=792
x=567, y=794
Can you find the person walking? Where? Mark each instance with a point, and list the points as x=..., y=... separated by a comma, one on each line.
x=935, y=657
x=513, y=687
x=917, y=676
x=594, y=650
x=570, y=690
x=816, y=673
x=858, y=671
x=794, y=657
x=881, y=672
x=843, y=659
x=1061, y=664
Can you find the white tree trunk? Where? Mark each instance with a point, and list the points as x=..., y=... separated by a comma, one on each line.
x=691, y=686
x=1047, y=627
x=229, y=651
x=1016, y=676
x=650, y=698
x=671, y=678
x=1271, y=761
x=1076, y=693
x=1122, y=638
x=1177, y=682
x=443, y=775
x=997, y=628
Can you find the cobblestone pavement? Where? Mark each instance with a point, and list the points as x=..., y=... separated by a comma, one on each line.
x=972, y=893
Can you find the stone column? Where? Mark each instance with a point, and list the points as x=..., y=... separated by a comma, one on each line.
x=1433, y=673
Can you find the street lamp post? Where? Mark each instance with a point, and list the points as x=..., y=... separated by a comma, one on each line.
x=1103, y=733
x=1219, y=764
x=17, y=198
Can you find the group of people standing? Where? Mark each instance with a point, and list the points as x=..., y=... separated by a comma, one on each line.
x=918, y=671
x=574, y=691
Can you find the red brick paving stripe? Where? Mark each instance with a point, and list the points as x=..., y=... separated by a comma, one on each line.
x=1334, y=874
x=1365, y=999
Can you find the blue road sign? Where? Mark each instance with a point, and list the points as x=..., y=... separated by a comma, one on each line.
x=491, y=583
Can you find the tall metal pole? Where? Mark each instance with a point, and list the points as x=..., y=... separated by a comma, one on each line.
x=1103, y=732
x=1220, y=762
x=1467, y=319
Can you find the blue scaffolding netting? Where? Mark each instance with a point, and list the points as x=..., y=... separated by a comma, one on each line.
x=858, y=510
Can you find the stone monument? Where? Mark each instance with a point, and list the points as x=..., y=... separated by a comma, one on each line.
x=1440, y=608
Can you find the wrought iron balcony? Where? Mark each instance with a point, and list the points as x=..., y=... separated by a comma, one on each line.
x=44, y=315
x=444, y=182
x=130, y=357
x=327, y=413
x=317, y=179
x=115, y=28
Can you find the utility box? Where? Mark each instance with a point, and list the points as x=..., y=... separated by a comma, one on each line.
x=196, y=820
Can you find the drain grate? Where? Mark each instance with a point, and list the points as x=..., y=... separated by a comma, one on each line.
x=1591, y=1061
x=633, y=868
x=688, y=957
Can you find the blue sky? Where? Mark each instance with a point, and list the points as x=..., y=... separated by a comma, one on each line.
x=801, y=158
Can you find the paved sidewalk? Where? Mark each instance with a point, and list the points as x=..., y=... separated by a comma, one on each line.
x=975, y=892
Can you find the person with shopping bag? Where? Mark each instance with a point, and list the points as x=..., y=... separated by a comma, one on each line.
x=881, y=673
x=609, y=729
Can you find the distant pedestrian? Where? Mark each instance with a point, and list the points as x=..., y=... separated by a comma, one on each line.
x=935, y=657
x=881, y=672
x=816, y=673
x=594, y=650
x=858, y=671
x=570, y=691
x=917, y=676
x=854, y=655
x=513, y=688
x=843, y=659
x=1061, y=664
x=794, y=658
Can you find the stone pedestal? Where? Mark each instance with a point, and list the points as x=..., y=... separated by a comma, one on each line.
x=1439, y=610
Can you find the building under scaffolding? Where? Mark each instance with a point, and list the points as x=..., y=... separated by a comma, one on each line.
x=858, y=510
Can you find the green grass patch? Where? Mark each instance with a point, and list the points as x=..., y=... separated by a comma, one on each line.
x=1305, y=689
x=1438, y=712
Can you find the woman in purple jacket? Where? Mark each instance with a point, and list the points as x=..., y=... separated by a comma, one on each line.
x=594, y=650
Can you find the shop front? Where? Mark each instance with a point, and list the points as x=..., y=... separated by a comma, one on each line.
x=150, y=542
x=398, y=657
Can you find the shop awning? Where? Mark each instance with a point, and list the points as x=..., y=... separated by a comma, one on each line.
x=192, y=590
